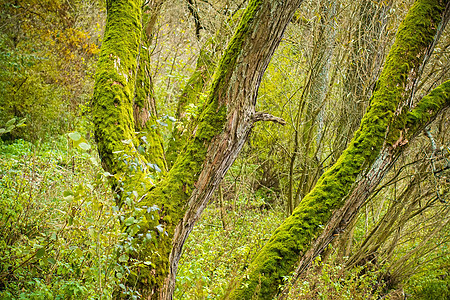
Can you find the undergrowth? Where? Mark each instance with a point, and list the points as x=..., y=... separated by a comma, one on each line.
x=59, y=235
x=57, y=224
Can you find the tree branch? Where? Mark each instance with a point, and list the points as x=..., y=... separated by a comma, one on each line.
x=262, y=116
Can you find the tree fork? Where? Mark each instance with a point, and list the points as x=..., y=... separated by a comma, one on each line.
x=222, y=129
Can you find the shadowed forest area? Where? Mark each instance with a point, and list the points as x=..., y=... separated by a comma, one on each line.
x=212, y=149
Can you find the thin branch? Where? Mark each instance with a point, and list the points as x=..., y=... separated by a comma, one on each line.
x=262, y=116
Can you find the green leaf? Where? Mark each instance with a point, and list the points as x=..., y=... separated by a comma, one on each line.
x=141, y=149
x=93, y=161
x=67, y=193
x=134, y=229
x=74, y=136
x=10, y=122
x=40, y=253
x=2, y=130
x=69, y=198
x=123, y=258
x=154, y=167
x=84, y=146
x=21, y=122
x=78, y=252
x=129, y=221
x=51, y=260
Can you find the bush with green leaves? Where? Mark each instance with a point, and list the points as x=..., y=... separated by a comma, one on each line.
x=58, y=224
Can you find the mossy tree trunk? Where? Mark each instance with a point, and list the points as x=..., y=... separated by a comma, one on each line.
x=144, y=105
x=191, y=97
x=386, y=128
x=164, y=213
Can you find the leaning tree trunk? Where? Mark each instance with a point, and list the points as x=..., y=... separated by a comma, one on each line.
x=384, y=130
x=159, y=217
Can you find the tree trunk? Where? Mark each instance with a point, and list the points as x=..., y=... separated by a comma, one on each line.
x=153, y=237
x=385, y=127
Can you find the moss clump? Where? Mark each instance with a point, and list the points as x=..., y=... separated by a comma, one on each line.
x=293, y=238
x=428, y=107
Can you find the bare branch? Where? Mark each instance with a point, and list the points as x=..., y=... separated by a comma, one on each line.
x=262, y=116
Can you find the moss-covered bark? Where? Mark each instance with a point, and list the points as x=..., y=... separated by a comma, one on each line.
x=294, y=236
x=115, y=81
x=172, y=193
x=427, y=108
x=191, y=95
x=196, y=87
x=144, y=106
x=112, y=104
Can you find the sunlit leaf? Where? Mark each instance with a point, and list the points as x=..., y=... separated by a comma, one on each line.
x=84, y=146
x=74, y=136
x=10, y=122
x=129, y=221
x=123, y=258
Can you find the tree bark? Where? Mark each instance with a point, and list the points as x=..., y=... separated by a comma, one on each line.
x=386, y=125
x=154, y=237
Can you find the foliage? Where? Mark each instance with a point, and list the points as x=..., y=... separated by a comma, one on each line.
x=58, y=224
x=327, y=280
x=432, y=283
x=62, y=234
x=213, y=256
x=46, y=62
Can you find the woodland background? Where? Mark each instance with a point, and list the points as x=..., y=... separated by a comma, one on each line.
x=58, y=219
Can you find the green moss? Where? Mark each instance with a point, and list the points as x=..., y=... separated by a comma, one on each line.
x=293, y=238
x=191, y=95
x=172, y=193
x=115, y=81
x=428, y=107
x=150, y=140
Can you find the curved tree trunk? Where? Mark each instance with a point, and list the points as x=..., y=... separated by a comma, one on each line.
x=160, y=216
x=435, y=102
x=384, y=128
x=154, y=236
